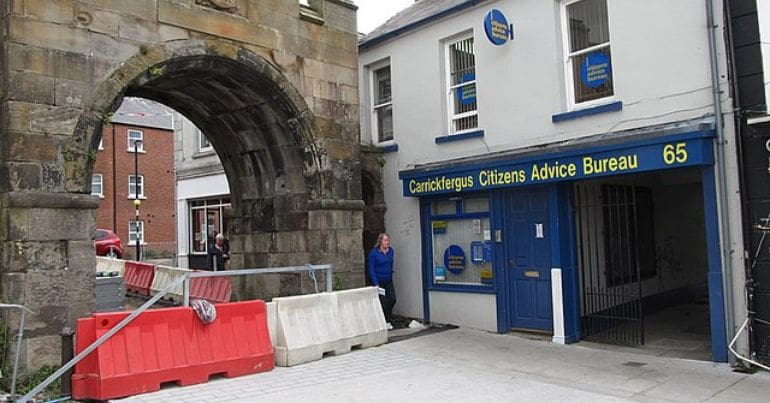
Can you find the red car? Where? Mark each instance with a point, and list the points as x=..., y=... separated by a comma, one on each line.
x=108, y=244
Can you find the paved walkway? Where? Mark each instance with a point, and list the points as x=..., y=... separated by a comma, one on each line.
x=469, y=366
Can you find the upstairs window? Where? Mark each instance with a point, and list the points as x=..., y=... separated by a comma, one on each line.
x=97, y=185
x=461, y=82
x=203, y=141
x=135, y=137
x=382, y=105
x=136, y=184
x=587, y=50
x=135, y=232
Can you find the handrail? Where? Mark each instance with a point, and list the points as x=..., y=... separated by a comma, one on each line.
x=19, y=337
x=245, y=272
x=184, y=279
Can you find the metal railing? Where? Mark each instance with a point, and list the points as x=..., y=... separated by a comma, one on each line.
x=19, y=337
x=185, y=281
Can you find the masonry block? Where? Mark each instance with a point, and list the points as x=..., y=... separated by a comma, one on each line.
x=60, y=11
x=47, y=35
x=28, y=87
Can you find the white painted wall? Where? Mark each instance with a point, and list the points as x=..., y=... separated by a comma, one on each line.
x=661, y=73
x=763, y=14
x=198, y=176
x=476, y=311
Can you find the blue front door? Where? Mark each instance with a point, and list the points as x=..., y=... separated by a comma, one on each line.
x=528, y=249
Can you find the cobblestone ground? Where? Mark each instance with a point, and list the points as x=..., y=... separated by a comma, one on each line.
x=466, y=365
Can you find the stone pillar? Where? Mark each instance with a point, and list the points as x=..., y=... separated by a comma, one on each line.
x=47, y=262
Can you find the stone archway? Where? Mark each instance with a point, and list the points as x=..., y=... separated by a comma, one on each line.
x=276, y=89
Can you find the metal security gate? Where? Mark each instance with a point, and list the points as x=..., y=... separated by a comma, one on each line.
x=607, y=226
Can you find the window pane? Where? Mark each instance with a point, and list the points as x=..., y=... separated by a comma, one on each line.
x=133, y=137
x=385, y=123
x=462, y=62
x=587, y=24
x=133, y=187
x=135, y=231
x=199, y=230
x=468, y=234
x=382, y=92
x=443, y=207
x=592, y=75
x=465, y=123
x=480, y=205
x=462, y=76
x=204, y=141
x=96, y=184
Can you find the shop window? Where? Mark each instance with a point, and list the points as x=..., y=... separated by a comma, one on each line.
x=135, y=140
x=461, y=243
x=627, y=214
x=587, y=51
x=207, y=218
x=461, y=85
x=382, y=104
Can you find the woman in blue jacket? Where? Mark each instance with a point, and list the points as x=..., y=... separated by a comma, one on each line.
x=381, y=274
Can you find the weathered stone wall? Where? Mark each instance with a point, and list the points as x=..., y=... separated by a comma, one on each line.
x=276, y=83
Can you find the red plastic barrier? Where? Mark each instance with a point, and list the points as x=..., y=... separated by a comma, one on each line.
x=138, y=277
x=170, y=345
x=213, y=289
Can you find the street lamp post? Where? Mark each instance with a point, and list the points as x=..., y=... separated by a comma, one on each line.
x=137, y=202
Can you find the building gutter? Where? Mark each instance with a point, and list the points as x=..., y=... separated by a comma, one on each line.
x=724, y=225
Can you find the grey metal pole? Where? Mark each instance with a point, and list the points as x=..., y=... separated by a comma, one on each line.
x=19, y=337
x=329, y=279
x=136, y=196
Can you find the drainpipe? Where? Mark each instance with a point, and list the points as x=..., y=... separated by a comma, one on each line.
x=727, y=281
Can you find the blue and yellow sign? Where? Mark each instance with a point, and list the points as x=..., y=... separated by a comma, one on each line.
x=595, y=70
x=684, y=150
x=454, y=259
x=496, y=27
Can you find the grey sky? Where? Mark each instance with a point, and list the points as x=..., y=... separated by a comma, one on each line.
x=372, y=13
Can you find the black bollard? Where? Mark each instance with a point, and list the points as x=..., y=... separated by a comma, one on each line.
x=67, y=353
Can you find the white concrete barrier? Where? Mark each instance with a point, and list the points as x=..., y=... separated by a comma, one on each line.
x=362, y=323
x=107, y=265
x=272, y=322
x=307, y=329
x=164, y=275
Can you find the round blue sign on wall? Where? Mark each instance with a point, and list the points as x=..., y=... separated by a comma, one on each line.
x=454, y=259
x=595, y=70
x=496, y=27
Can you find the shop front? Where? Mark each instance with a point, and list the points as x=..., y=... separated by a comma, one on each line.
x=609, y=240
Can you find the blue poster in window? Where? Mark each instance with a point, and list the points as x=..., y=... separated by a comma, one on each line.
x=439, y=273
x=488, y=251
x=477, y=252
x=595, y=70
x=466, y=95
x=454, y=259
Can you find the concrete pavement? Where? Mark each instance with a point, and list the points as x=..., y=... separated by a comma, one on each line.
x=469, y=365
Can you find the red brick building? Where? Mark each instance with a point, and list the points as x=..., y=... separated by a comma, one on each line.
x=114, y=172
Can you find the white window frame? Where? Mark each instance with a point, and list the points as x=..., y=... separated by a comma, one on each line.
x=567, y=57
x=450, y=95
x=141, y=139
x=201, y=137
x=101, y=185
x=141, y=189
x=374, y=108
x=139, y=235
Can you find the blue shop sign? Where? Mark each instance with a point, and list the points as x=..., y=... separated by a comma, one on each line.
x=596, y=69
x=496, y=27
x=664, y=152
x=454, y=259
